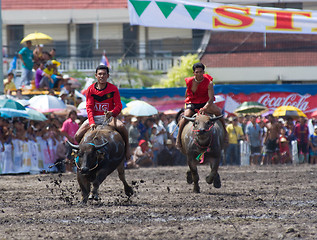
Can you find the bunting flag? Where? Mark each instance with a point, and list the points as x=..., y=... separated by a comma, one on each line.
x=220, y=17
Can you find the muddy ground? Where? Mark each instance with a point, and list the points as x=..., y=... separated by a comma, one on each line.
x=255, y=202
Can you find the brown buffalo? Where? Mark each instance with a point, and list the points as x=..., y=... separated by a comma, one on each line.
x=99, y=153
x=203, y=141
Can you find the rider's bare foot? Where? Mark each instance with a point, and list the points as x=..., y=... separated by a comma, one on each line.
x=178, y=145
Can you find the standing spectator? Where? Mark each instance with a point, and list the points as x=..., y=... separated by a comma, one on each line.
x=69, y=129
x=142, y=128
x=8, y=84
x=253, y=137
x=38, y=53
x=235, y=134
x=161, y=132
x=53, y=54
x=271, y=139
x=284, y=152
x=313, y=146
x=301, y=132
x=134, y=134
x=172, y=128
x=26, y=57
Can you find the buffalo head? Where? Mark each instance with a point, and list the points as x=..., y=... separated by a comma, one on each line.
x=202, y=127
x=87, y=158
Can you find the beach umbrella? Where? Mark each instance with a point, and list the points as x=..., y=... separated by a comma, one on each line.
x=66, y=111
x=35, y=115
x=37, y=38
x=288, y=111
x=10, y=103
x=251, y=108
x=139, y=108
x=47, y=103
x=11, y=113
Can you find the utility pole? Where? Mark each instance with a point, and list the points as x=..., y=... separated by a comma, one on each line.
x=1, y=54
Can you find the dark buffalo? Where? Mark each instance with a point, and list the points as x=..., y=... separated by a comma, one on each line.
x=99, y=153
x=203, y=141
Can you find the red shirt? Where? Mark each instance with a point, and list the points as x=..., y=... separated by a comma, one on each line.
x=201, y=94
x=99, y=101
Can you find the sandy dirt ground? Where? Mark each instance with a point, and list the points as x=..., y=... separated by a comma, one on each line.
x=255, y=202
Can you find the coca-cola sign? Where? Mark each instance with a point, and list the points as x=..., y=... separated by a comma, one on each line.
x=307, y=103
x=272, y=101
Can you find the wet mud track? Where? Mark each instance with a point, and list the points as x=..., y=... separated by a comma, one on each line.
x=261, y=202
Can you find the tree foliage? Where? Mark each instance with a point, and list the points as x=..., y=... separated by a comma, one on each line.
x=176, y=75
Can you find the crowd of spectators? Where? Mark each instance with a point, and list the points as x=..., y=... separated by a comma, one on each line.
x=152, y=141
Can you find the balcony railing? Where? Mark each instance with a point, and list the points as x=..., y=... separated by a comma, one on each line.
x=162, y=64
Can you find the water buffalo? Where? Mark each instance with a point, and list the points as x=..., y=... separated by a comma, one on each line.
x=99, y=153
x=202, y=141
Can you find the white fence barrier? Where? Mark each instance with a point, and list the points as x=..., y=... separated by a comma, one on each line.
x=245, y=153
x=28, y=156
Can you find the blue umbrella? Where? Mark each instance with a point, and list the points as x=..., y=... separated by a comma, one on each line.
x=10, y=113
x=124, y=105
x=9, y=103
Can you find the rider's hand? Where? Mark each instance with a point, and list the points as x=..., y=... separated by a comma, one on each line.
x=202, y=111
x=108, y=114
x=93, y=126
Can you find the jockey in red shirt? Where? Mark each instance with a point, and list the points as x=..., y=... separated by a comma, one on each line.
x=199, y=97
x=103, y=102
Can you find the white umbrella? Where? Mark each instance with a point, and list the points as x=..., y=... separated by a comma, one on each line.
x=47, y=103
x=219, y=98
x=82, y=105
x=139, y=108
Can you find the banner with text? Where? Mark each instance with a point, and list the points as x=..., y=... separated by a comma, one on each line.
x=220, y=17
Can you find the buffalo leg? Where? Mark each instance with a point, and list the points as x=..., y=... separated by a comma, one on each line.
x=100, y=177
x=127, y=189
x=84, y=185
x=195, y=176
x=214, y=177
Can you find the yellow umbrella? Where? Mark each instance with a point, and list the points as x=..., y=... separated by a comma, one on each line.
x=37, y=38
x=288, y=111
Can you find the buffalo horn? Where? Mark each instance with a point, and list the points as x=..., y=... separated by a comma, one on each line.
x=189, y=118
x=73, y=145
x=216, y=118
x=100, y=146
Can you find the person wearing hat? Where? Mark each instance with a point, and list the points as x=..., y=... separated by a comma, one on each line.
x=143, y=156
x=134, y=134
x=313, y=146
x=26, y=57
x=46, y=80
x=284, y=151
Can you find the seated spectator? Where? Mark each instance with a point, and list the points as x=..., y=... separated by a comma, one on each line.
x=57, y=80
x=142, y=156
x=47, y=73
x=8, y=84
x=171, y=156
